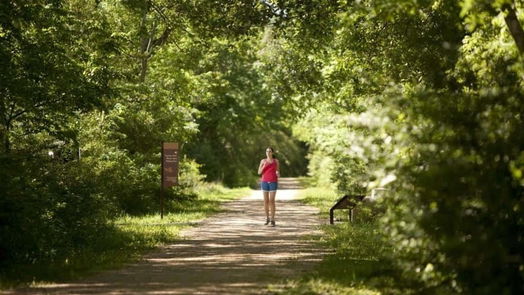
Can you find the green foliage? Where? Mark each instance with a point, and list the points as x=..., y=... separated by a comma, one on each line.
x=421, y=96
x=125, y=239
x=320, y=169
x=47, y=207
x=425, y=102
x=457, y=174
x=239, y=117
x=130, y=181
x=330, y=163
x=44, y=77
x=360, y=259
x=99, y=85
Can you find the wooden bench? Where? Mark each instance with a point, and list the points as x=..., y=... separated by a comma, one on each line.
x=346, y=202
x=351, y=201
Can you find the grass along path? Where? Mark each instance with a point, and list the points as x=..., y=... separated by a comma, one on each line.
x=360, y=260
x=231, y=252
x=125, y=241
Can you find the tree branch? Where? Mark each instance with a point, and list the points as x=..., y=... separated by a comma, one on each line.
x=162, y=39
x=514, y=26
x=172, y=24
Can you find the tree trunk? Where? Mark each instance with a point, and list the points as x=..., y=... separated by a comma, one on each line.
x=514, y=27
x=148, y=44
x=7, y=142
x=144, y=62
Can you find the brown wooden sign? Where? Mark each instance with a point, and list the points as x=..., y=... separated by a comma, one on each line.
x=169, y=164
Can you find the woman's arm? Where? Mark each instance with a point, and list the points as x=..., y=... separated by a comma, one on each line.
x=261, y=166
x=278, y=168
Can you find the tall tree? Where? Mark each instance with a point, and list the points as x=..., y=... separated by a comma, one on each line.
x=45, y=76
x=426, y=85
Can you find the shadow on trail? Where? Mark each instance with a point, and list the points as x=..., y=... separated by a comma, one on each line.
x=230, y=253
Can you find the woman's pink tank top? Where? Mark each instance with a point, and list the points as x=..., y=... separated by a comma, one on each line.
x=269, y=173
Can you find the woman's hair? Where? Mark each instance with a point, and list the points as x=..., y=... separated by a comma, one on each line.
x=273, y=150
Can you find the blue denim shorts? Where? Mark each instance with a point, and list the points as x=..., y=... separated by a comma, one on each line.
x=269, y=186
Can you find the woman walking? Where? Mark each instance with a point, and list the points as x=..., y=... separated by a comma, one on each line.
x=269, y=169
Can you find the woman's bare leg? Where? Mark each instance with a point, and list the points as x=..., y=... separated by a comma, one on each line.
x=266, y=203
x=272, y=204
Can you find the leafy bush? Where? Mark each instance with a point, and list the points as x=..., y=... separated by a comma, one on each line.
x=456, y=212
x=190, y=176
x=434, y=95
x=47, y=209
x=134, y=186
x=320, y=169
x=330, y=164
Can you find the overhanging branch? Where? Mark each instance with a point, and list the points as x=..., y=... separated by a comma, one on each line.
x=514, y=26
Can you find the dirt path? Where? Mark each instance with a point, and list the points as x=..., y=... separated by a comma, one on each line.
x=230, y=253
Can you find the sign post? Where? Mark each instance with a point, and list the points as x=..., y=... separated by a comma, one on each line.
x=169, y=170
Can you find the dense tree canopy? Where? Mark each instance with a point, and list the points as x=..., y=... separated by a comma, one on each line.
x=422, y=97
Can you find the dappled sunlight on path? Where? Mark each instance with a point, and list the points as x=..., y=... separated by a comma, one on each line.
x=230, y=253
